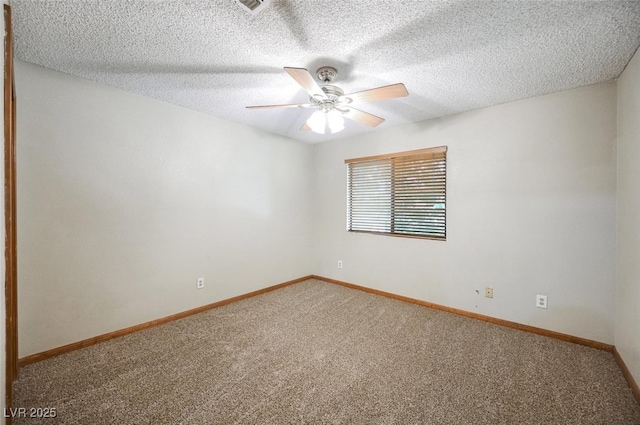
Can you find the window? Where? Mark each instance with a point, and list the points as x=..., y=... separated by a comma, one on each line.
x=401, y=194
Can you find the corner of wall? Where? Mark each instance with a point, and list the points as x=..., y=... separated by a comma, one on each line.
x=627, y=332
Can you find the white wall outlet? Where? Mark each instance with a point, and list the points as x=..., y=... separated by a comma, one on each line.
x=339, y=264
x=200, y=283
x=541, y=301
x=488, y=292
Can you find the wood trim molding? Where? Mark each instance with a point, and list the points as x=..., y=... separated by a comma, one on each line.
x=437, y=151
x=115, y=334
x=627, y=375
x=494, y=320
x=11, y=276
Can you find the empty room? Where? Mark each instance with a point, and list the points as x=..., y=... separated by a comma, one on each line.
x=314, y=211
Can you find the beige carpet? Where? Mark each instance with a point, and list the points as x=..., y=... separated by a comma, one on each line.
x=316, y=353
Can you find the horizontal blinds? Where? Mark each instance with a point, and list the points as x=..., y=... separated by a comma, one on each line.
x=370, y=196
x=419, y=196
x=403, y=194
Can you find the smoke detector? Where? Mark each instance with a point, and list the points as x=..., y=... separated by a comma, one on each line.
x=253, y=6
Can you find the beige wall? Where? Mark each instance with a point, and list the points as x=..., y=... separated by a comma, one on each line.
x=628, y=293
x=531, y=210
x=125, y=201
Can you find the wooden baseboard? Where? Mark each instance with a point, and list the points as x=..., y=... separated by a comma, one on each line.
x=552, y=334
x=627, y=375
x=502, y=322
x=105, y=337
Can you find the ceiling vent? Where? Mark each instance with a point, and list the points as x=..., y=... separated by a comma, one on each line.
x=253, y=6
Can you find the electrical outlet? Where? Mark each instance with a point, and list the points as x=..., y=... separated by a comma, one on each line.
x=488, y=292
x=339, y=264
x=541, y=301
x=200, y=283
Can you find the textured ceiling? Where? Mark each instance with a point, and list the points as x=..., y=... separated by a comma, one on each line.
x=214, y=57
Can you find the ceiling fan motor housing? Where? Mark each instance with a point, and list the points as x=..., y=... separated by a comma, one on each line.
x=333, y=94
x=326, y=75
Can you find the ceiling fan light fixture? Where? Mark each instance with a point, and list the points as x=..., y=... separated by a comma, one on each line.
x=322, y=122
x=335, y=121
x=317, y=122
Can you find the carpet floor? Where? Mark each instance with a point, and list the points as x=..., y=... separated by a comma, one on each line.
x=319, y=353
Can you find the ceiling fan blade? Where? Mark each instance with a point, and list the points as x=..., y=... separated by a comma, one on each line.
x=306, y=81
x=291, y=105
x=380, y=93
x=361, y=116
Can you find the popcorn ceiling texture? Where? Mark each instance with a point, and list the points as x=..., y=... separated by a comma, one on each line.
x=212, y=56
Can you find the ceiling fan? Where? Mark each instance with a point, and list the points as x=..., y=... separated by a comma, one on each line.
x=331, y=102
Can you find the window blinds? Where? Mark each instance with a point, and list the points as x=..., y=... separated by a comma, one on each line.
x=401, y=194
